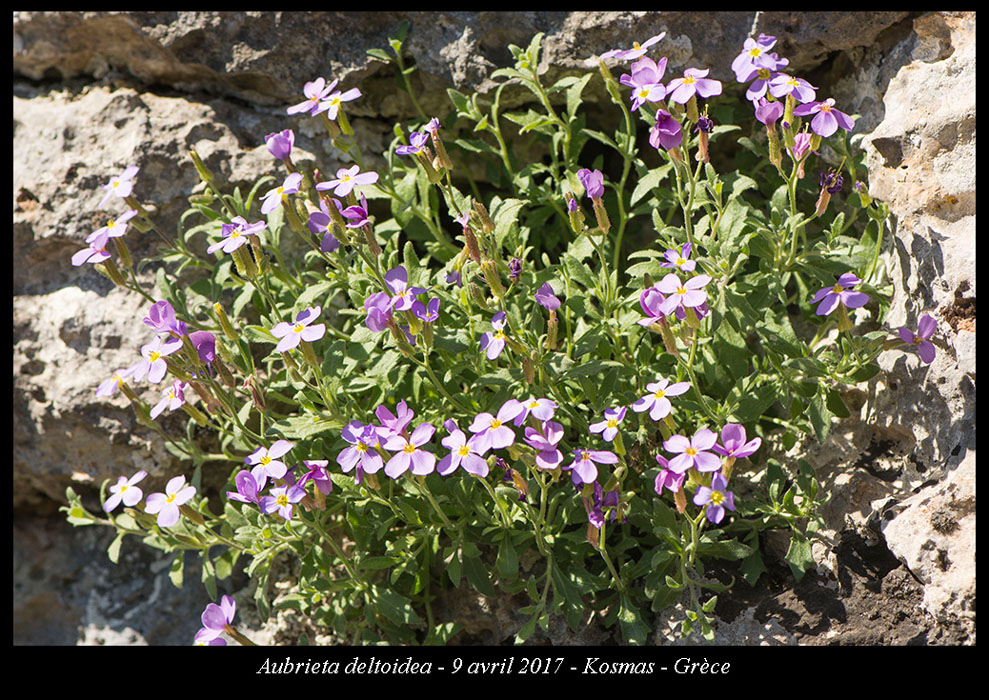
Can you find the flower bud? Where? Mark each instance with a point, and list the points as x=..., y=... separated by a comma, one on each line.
x=490, y=272
x=472, y=248
x=221, y=318
x=124, y=253
x=602, y=216
x=201, y=168
x=486, y=224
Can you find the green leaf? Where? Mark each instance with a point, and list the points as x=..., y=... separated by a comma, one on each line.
x=820, y=417
x=477, y=576
x=799, y=555
x=113, y=551
x=507, y=563
x=176, y=570
x=633, y=626
x=209, y=576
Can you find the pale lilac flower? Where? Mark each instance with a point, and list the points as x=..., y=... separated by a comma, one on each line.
x=95, y=253
x=272, y=199
x=161, y=319
x=645, y=81
x=379, y=311
x=235, y=234
x=827, y=119
x=205, y=344
x=110, y=386
x=601, y=500
x=801, y=144
x=657, y=403
x=249, y=485
x=540, y=409
x=840, y=293
x=651, y=300
x=733, y=442
x=269, y=458
x=666, y=133
x=925, y=329
x=762, y=77
x=687, y=294
x=609, y=426
x=584, y=465
x=357, y=214
x=280, y=143
x=544, y=295
x=397, y=280
x=463, y=452
x=493, y=341
x=114, y=228
x=492, y=432
x=667, y=478
x=398, y=422
x=417, y=140
x=216, y=619
x=545, y=442
x=408, y=455
x=755, y=55
x=174, y=398
x=318, y=474
x=768, y=112
x=347, y=179
x=166, y=505
x=332, y=102
x=315, y=91
x=681, y=260
x=125, y=491
x=205, y=638
x=716, y=497
x=363, y=454
x=636, y=51
x=120, y=185
x=694, y=82
x=427, y=312
x=693, y=452
x=593, y=182
x=292, y=334
x=783, y=85
x=321, y=222
x=154, y=353
x=282, y=498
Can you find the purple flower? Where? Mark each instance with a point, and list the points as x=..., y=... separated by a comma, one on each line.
x=397, y=423
x=492, y=432
x=494, y=340
x=783, y=85
x=125, y=491
x=379, y=313
x=667, y=478
x=347, y=179
x=593, y=182
x=114, y=228
x=454, y=276
x=280, y=143
x=397, y=280
x=716, y=497
x=321, y=222
x=645, y=81
x=292, y=334
x=686, y=294
x=681, y=260
x=161, y=319
x=832, y=182
x=154, y=354
x=282, y=498
x=515, y=269
x=651, y=300
x=545, y=442
x=841, y=293
x=768, y=112
x=249, y=485
x=417, y=140
x=463, y=452
x=540, y=409
x=666, y=132
x=544, y=295
x=95, y=253
x=755, y=55
x=357, y=214
x=801, y=144
x=609, y=426
x=584, y=465
x=762, y=77
x=332, y=102
x=272, y=199
x=174, y=398
x=110, y=386
x=827, y=119
x=657, y=403
x=693, y=452
x=408, y=456
x=694, y=82
x=363, y=455
x=733, y=442
x=203, y=639
x=636, y=51
x=315, y=91
x=119, y=185
x=427, y=312
x=166, y=505
x=235, y=234
x=205, y=344
x=925, y=329
x=216, y=618
x=268, y=458
x=318, y=474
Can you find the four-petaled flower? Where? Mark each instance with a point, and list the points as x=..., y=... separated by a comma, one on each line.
x=463, y=453
x=666, y=132
x=154, y=354
x=767, y=112
x=783, y=85
x=593, y=182
x=827, y=119
x=841, y=293
x=733, y=442
x=544, y=295
x=125, y=491
x=667, y=478
x=95, y=253
x=321, y=222
x=397, y=280
x=174, y=398
x=657, y=403
x=417, y=140
x=282, y=498
x=331, y=103
x=545, y=442
x=315, y=92
x=492, y=432
x=755, y=55
x=379, y=311
x=609, y=426
x=925, y=329
x=363, y=454
x=398, y=422
x=216, y=619
x=693, y=452
x=540, y=409
x=687, y=294
x=166, y=505
x=637, y=49
x=584, y=465
x=681, y=260
x=248, y=484
x=694, y=82
x=119, y=185
x=493, y=341
x=347, y=179
x=408, y=455
x=114, y=228
x=235, y=234
x=716, y=498
x=272, y=199
x=110, y=386
x=292, y=334
x=645, y=81
x=318, y=474
x=269, y=459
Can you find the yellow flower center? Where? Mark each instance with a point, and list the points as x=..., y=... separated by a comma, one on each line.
x=171, y=497
x=463, y=450
x=281, y=500
x=298, y=328
x=409, y=449
x=534, y=404
x=636, y=46
x=692, y=451
x=689, y=80
x=659, y=394
x=235, y=233
x=680, y=261
x=837, y=289
x=266, y=460
x=612, y=423
x=585, y=455
x=717, y=498
x=154, y=356
x=824, y=107
x=500, y=335
x=755, y=52
x=763, y=73
x=792, y=82
x=361, y=447
x=681, y=290
x=111, y=223
x=495, y=424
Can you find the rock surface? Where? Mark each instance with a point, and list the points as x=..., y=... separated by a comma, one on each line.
x=97, y=91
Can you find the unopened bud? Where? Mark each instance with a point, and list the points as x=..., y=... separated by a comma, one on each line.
x=124, y=253
x=477, y=295
x=109, y=268
x=551, y=330
x=528, y=370
x=221, y=318
x=486, y=224
x=245, y=263
x=602, y=216
x=490, y=272
x=201, y=168
x=472, y=248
